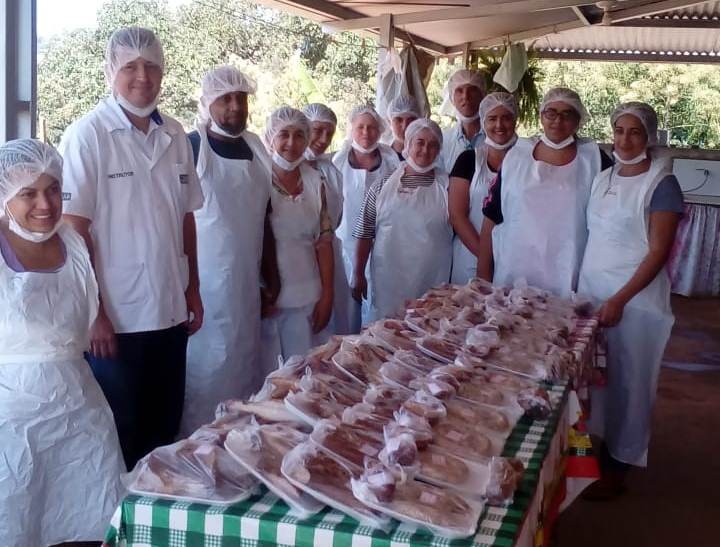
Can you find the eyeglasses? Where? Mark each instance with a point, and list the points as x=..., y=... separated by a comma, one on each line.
x=564, y=115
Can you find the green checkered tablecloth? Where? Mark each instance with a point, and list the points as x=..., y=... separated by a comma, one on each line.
x=263, y=520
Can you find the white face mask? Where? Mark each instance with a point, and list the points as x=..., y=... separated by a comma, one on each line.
x=284, y=164
x=143, y=112
x=466, y=119
x=27, y=235
x=309, y=154
x=492, y=144
x=415, y=167
x=557, y=145
x=364, y=150
x=215, y=128
x=642, y=156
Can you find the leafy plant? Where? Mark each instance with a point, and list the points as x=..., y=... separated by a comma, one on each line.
x=527, y=94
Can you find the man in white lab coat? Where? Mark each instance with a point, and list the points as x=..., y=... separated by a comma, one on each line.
x=130, y=190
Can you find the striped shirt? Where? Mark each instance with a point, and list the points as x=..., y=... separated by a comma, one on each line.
x=365, y=225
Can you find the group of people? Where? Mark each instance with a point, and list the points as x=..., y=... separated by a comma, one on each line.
x=181, y=268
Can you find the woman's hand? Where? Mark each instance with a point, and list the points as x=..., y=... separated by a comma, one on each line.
x=103, y=343
x=359, y=287
x=322, y=312
x=611, y=312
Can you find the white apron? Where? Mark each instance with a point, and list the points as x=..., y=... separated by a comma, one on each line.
x=413, y=243
x=342, y=309
x=543, y=234
x=296, y=225
x=61, y=459
x=356, y=183
x=618, y=222
x=464, y=264
x=223, y=356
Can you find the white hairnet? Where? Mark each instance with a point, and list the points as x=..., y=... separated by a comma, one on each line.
x=282, y=118
x=221, y=81
x=359, y=111
x=567, y=96
x=465, y=77
x=643, y=112
x=492, y=101
x=318, y=112
x=403, y=106
x=22, y=161
x=129, y=43
x=414, y=129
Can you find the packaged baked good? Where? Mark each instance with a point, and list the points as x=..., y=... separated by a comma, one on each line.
x=364, y=415
x=311, y=407
x=394, y=334
x=439, y=348
x=425, y=405
x=348, y=442
x=497, y=420
x=269, y=411
x=505, y=475
x=463, y=441
x=433, y=386
x=417, y=425
x=416, y=360
x=535, y=402
x=441, y=511
x=261, y=449
x=400, y=447
x=398, y=374
x=327, y=478
x=344, y=391
x=192, y=470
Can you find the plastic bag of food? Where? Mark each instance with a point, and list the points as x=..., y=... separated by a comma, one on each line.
x=397, y=374
x=535, y=402
x=441, y=468
x=425, y=405
x=485, y=336
x=364, y=415
x=394, y=334
x=194, y=471
x=439, y=510
x=505, y=475
x=464, y=441
x=273, y=410
x=344, y=391
x=415, y=360
x=261, y=449
x=491, y=419
x=480, y=286
x=348, y=442
x=311, y=407
x=418, y=425
x=400, y=446
x=454, y=331
x=473, y=316
x=327, y=479
x=433, y=386
x=439, y=348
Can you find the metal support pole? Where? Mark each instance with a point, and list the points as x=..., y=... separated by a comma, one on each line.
x=18, y=69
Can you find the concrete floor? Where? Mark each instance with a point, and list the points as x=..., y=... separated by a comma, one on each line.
x=676, y=500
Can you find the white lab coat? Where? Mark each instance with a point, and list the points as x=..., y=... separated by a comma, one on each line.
x=342, y=308
x=61, y=459
x=618, y=224
x=543, y=234
x=223, y=359
x=454, y=143
x=356, y=183
x=464, y=264
x=136, y=190
x=412, y=251
x=296, y=226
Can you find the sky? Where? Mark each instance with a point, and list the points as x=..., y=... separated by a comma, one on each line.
x=54, y=17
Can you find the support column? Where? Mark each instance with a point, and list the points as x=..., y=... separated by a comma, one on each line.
x=18, y=69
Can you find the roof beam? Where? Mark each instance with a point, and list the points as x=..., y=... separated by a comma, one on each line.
x=629, y=57
x=651, y=9
x=324, y=9
x=522, y=35
x=482, y=8
x=581, y=16
x=670, y=23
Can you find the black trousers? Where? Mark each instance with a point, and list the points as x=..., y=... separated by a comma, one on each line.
x=145, y=387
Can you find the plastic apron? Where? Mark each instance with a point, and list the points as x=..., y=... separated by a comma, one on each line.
x=618, y=221
x=342, y=309
x=413, y=243
x=223, y=356
x=61, y=459
x=464, y=264
x=296, y=225
x=356, y=183
x=543, y=234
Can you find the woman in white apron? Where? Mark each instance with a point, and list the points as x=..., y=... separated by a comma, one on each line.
x=223, y=359
x=61, y=459
x=534, y=226
x=323, y=123
x=363, y=161
x=404, y=224
x=470, y=181
x=632, y=217
x=303, y=233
